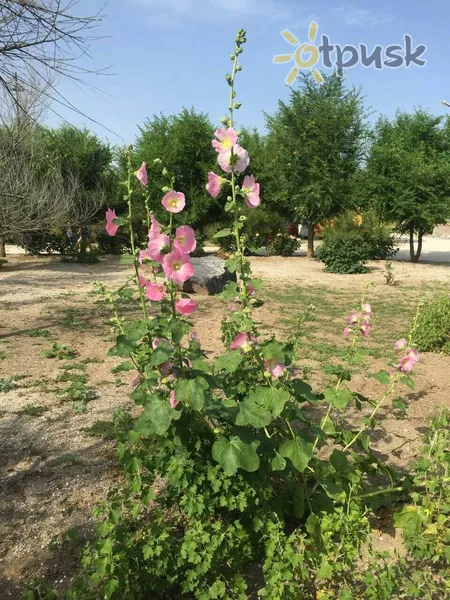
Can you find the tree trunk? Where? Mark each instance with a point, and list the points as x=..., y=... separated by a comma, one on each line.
x=415, y=255
x=310, y=250
x=2, y=247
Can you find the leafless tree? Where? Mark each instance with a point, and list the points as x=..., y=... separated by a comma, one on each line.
x=41, y=40
x=34, y=198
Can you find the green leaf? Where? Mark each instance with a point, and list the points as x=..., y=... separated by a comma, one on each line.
x=156, y=418
x=136, y=330
x=408, y=382
x=120, y=221
x=111, y=587
x=124, y=347
x=127, y=259
x=304, y=390
x=298, y=451
x=409, y=519
x=326, y=570
x=125, y=366
x=400, y=405
x=223, y=233
x=233, y=454
x=339, y=371
x=277, y=462
x=231, y=265
x=229, y=362
x=271, y=399
x=161, y=354
x=338, y=398
x=273, y=351
x=178, y=329
x=383, y=377
x=192, y=392
x=252, y=414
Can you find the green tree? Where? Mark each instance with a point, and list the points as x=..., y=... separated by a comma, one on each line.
x=315, y=146
x=183, y=142
x=408, y=174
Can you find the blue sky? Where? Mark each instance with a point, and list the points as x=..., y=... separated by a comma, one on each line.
x=166, y=54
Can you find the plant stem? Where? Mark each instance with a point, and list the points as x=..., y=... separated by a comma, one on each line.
x=374, y=412
x=131, y=231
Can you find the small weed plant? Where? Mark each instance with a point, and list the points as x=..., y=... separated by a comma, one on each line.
x=60, y=352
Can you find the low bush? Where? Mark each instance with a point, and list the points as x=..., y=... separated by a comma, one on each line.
x=430, y=330
x=47, y=242
x=344, y=252
x=282, y=244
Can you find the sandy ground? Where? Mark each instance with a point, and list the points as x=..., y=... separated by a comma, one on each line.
x=51, y=472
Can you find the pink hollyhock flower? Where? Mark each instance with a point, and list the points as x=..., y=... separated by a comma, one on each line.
x=408, y=362
x=232, y=307
x=353, y=318
x=144, y=255
x=400, y=344
x=155, y=229
x=238, y=156
x=241, y=342
x=214, y=184
x=226, y=139
x=155, y=291
x=177, y=266
x=367, y=309
x=173, y=400
x=143, y=282
x=347, y=331
x=174, y=202
x=185, y=239
x=141, y=173
x=186, y=306
x=275, y=368
x=157, y=245
x=166, y=369
x=251, y=191
x=365, y=329
x=251, y=289
x=110, y=227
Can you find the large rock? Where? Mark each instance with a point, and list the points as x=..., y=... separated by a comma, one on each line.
x=210, y=276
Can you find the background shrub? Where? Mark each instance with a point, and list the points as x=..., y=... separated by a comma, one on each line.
x=45, y=242
x=282, y=244
x=430, y=331
x=344, y=252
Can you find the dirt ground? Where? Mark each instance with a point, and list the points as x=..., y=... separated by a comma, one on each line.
x=52, y=472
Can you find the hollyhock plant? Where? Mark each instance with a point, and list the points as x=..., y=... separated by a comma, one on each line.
x=143, y=282
x=367, y=309
x=241, y=342
x=141, y=173
x=155, y=291
x=174, y=202
x=157, y=245
x=365, y=329
x=177, y=266
x=186, y=306
x=347, y=331
x=214, y=184
x=353, y=318
x=185, y=239
x=226, y=139
x=237, y=158
x=275, y=368
x=250, y=190
x=111, y=228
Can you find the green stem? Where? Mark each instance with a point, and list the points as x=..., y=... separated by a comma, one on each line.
x=383, y=491
x=131, y=231
x=374, y=412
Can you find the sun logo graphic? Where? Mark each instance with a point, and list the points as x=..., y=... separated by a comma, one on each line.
x=301, y=62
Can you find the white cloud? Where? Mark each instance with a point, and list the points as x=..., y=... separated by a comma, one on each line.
x=179, y=12
x=359, y=17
